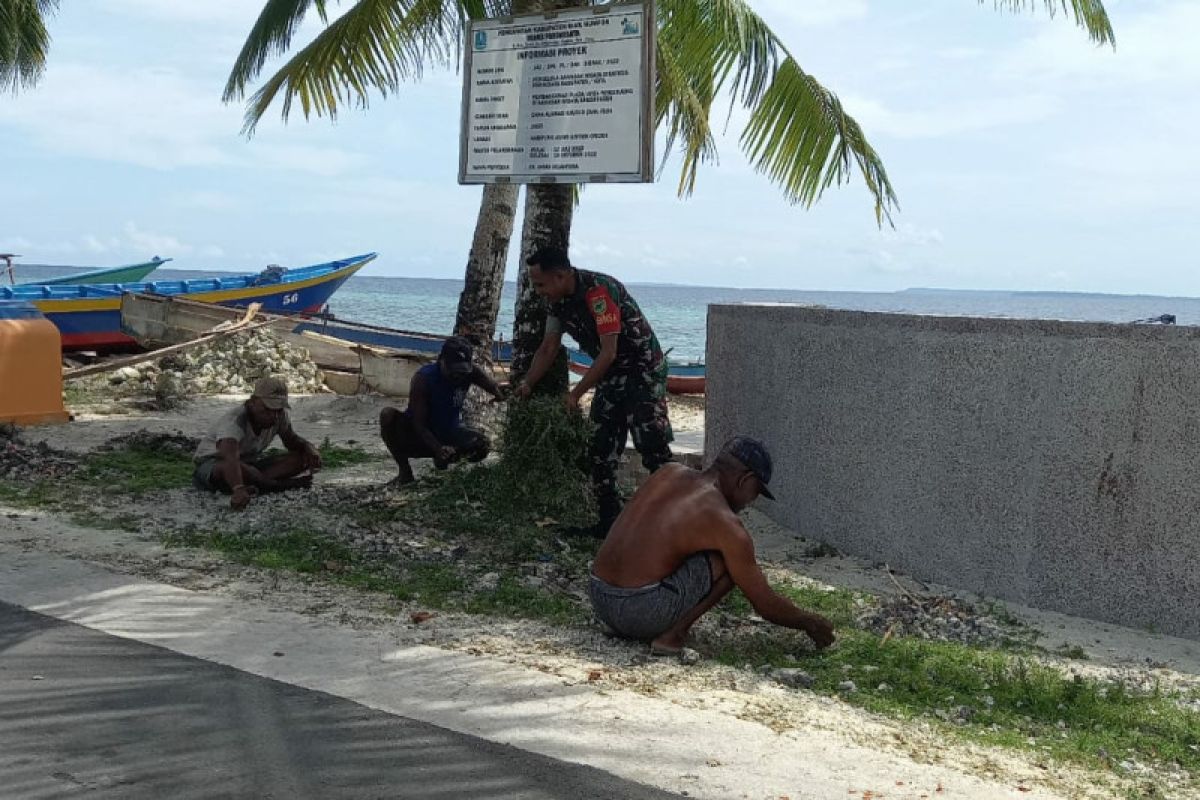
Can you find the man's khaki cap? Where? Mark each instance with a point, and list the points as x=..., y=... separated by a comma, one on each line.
x=272, y=391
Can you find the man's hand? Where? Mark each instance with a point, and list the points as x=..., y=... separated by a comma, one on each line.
x=572, y=403
x=240, y=499
x=312, y=457
x=820, y=630
x=503, y=392
x=522, y=390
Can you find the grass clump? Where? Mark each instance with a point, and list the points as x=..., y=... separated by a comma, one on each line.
x=536, y=485
x=991, y=695
x=335, y=456
x=137, y=470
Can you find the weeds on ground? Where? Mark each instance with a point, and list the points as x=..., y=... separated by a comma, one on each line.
x=998, y=696
x=136, y=470
x=537, y=485
x=335, y=456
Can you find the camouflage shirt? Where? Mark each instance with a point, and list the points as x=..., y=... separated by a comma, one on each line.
x=601, y=305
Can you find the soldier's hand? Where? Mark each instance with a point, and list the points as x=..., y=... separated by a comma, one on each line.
x=572, y=403
x=522, y=390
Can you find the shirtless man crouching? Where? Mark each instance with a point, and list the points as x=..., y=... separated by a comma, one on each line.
x=678, y=547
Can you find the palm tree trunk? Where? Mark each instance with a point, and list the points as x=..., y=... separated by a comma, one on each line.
x=479, y=303
x=548, y=212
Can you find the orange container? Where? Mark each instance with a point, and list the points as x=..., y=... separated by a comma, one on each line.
x=30, y=367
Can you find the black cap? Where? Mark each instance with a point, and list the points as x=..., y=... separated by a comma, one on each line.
x=549, y=258
x=456, y=355
x=753, y=454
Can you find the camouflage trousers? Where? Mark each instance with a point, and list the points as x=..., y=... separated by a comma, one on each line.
x=624, y=405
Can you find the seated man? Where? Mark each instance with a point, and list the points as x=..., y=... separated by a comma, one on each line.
x=678, y=548
x=432, y=425
x=229, y=459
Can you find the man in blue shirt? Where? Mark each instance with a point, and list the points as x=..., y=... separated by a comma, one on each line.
x=432, y=425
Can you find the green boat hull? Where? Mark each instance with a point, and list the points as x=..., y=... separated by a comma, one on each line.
x=130, y=273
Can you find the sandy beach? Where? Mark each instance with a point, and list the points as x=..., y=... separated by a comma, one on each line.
x=126, y=534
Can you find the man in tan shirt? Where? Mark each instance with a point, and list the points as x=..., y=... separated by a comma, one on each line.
x=229, y=459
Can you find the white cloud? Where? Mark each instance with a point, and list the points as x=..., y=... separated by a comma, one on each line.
x=1153, y=47
x=222, y=12
x=810, y=13
x=155, y=118
x=205, y=201
x=948, y=121
x=154, y=242
x=910, y=235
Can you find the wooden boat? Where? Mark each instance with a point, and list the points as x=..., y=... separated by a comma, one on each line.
x=390, y=372
x=390, y=338
x=681, y=378
x=130, y=273
x=89, y=316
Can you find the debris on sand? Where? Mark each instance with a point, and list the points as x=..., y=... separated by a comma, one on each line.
x=22, y=461
x=935, y=617
x=167, y=443
x=225, y=366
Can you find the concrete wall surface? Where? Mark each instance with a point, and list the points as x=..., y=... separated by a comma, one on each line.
x=1054, y=464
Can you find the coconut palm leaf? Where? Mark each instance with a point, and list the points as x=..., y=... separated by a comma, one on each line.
x=1087, y=14
x=798, y=134
x=24, y=42
x=376, y=45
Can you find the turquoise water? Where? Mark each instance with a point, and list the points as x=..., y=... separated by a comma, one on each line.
x=678, y=313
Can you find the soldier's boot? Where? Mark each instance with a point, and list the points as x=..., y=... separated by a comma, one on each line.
x=609, y=508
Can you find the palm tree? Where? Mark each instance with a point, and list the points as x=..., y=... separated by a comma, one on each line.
x=24, y=42
x=798, y=134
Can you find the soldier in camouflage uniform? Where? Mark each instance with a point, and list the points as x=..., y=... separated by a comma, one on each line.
x=629, y=371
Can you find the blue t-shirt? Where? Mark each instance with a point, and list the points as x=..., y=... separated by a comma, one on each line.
x=445, y=401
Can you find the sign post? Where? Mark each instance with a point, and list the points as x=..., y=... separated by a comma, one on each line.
x=566, y=97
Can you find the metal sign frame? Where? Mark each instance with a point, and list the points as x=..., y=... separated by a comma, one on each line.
x=645, y=124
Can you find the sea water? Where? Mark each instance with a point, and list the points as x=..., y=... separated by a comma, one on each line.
x=678, y=313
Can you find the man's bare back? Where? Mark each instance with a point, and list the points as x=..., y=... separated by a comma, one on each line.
x=676, y=512
x=680, y=514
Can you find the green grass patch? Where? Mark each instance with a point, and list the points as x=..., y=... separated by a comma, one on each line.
x=514, y=599
x=987, y=695
x=136, y=470
x=43, y=494
x=100, y=521
x=432, y=584
x=296, y=550
x=336, y=456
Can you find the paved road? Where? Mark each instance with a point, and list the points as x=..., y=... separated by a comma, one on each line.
x=87, y=714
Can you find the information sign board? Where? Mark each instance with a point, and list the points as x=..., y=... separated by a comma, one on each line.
x=560, y=98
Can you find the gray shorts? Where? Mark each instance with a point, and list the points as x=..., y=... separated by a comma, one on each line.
x=202, y=476
x=647, y=611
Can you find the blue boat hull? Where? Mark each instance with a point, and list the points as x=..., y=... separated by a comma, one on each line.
x=89, y=316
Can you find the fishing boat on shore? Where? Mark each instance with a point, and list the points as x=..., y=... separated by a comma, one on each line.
x=129, y=273
x=88, y=316
x=386, y=358
x=682, y=378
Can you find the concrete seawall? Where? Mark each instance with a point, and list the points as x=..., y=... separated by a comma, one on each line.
x=1054, y=464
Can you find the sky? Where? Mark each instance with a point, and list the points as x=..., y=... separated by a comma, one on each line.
x=1024, y=158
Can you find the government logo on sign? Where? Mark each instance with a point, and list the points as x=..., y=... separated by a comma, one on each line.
x=481, y=40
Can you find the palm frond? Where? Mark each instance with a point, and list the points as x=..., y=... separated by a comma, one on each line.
x=376, y=45
x=798, y=134
x=803, y=140
x=24, y=42
x=271, y=35
x=1087, y=14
